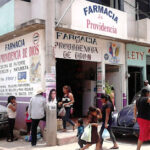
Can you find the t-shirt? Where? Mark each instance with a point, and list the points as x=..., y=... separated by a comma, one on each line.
x=80, y=131
x=143, y=108
x=11, y=114
x=104, y=107
x=66, y=100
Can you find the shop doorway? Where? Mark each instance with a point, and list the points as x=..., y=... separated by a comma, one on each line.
x=114, y=78
x=135, y=81
x=81, y=76
x=148, y=67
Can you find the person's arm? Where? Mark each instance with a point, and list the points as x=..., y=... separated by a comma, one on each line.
x=99, y=116
x=13, y=107
x=107, y=117
x=29, y=108
x=71, y=98
x=94, y=124
x=148, y=101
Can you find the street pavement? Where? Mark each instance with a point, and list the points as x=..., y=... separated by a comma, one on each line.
x=125, y=143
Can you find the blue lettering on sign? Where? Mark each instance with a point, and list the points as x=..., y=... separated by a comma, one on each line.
x=16, y=44
x=100, y=9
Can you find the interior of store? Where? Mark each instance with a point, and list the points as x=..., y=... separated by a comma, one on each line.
x=113, y=76
x=135, y=81
x=81, y=77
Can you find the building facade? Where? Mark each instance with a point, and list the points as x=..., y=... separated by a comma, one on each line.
x=81, y=43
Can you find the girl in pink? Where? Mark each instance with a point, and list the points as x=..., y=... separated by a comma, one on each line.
x=28, y=121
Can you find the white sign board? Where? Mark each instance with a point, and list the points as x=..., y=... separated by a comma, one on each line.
x=98, y=19
x=21, y=65
x=77, y=47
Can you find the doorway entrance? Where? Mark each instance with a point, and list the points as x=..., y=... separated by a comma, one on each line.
x=81, y=77
x=113, y=77
x=135, y=81
x=148, y=67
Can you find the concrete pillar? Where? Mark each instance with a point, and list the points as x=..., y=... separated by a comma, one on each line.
x=51, y=121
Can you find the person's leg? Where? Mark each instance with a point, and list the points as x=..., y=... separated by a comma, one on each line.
x=9, y=130
x=68, y=117
x=112, y=137
x=81, y=143
x=64, y=122
x=35, y=123
x=13, y=125
x=86, y=146
x=28, y=127
x=139, y=145
x=98, y=146
x=101, y=132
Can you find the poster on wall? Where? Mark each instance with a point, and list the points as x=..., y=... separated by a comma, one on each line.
x=98, y=19
x=50, y=83
x=76, y=47
x=21, y=65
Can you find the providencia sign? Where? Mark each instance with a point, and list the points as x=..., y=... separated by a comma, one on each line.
x=94, y=18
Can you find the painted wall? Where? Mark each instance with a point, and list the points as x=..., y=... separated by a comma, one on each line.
x=22, y=12
x=137, y=56
x=7, y=18
x=22, y=67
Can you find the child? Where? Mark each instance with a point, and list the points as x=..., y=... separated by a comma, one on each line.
x=28, y=121
x=93, y=116
x=80, y=132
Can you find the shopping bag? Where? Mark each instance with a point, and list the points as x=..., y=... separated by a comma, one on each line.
x=86, y=136
x=105, y=134
x=62, y=112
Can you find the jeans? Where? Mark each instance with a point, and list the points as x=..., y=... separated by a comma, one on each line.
x=110, y=132
x=11, y=128
x=34, y=126
x=66, y=118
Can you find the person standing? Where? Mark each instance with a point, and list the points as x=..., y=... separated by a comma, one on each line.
x=93, y=116
x=37, y=108
x=67, y=102
x=80, y=132
x=28, y=121
x=11, y=111
x=143, y=117
x=107, y=109
x=146, y=85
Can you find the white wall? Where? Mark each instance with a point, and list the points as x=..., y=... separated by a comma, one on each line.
x=22, y=12
x=131, y=23
x=38, y=9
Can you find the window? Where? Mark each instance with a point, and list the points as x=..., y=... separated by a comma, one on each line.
x=118, y=4
x=143, y=9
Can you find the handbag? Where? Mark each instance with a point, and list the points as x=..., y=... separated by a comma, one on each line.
x=62, y=112
x=105, y=134
x=86, y=136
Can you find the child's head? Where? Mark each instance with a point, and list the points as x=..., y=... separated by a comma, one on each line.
x=80, y=122
x=27, y=108
x=93, y=111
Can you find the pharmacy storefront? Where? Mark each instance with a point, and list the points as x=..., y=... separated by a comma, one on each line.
x=138, y=68
x=21, y=69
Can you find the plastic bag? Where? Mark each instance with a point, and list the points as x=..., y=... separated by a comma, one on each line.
x=86, y=136
x=105, y=134
x=62, y=112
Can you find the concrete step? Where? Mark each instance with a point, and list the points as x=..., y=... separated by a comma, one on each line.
x=68, y=137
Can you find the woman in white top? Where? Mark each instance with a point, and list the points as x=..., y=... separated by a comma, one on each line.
x=11, y=110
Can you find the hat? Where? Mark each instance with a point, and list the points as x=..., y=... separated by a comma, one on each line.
x=39, y=91
x=146, y=81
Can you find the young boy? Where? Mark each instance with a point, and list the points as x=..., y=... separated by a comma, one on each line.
x=80, y=132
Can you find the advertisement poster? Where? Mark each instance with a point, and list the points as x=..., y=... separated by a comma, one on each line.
x=21, y=70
